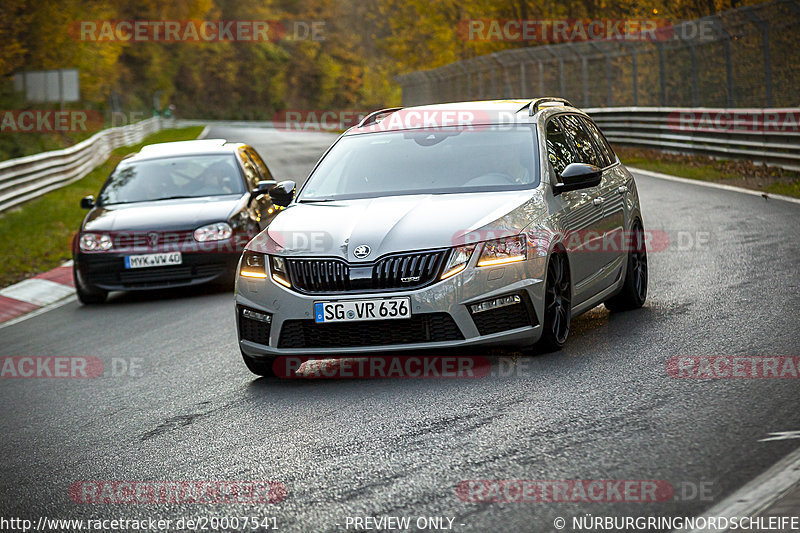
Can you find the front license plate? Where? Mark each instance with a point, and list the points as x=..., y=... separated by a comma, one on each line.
x=153, y=260
x=357, y=310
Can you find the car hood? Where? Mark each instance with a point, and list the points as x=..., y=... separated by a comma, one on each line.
x=397, y=223
x=166, y=215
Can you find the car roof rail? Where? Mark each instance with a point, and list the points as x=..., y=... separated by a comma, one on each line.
x=373, y=117
x=535, y=104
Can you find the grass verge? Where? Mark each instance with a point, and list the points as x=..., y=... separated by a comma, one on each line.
x=730, y=172
x=37, y=235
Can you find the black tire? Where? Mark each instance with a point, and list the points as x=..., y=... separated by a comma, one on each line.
x=261, y=366
x=86, y=295
x=634, y=288
x=557, y=305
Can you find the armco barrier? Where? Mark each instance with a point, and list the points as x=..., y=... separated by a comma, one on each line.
x=766, y=136
x=25, y=178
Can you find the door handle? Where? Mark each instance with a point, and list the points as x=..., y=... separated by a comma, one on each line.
x=598, y=201
x=622, y=189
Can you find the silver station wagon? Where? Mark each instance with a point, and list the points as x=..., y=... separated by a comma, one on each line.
x=456, y=225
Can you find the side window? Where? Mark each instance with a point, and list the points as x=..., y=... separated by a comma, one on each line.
x=260, y=165
x=559, y=152
x=600, y=142
x=581, y=141
x=250, y=171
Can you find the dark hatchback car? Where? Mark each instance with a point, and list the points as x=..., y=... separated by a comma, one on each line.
x=173, y=214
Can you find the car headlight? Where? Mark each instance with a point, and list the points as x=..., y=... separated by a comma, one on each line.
x=504, y=251
x=253, y=265
x=213, y=232
x=459, y=257
x=278, y=268
x=93, y=242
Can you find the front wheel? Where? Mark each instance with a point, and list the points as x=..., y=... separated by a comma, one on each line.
x=634, y=288
x=557, y=305
x=261, y=366
x=87, y=296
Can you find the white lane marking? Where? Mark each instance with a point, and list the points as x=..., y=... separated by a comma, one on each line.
x=782, y=435
x=204, y=132
x=759, y=493
x=37, y=291
x=712, y=185
x=40, y=311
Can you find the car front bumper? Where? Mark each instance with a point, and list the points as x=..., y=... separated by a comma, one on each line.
x=441, y=315
x=107, y=271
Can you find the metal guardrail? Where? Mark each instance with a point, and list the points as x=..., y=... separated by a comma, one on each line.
x=25, y=178
x=766, y=136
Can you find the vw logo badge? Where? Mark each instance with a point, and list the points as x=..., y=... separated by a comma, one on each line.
x=152, y=239
x=362, y=251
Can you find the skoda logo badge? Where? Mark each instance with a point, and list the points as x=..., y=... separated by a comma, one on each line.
x=362, y=251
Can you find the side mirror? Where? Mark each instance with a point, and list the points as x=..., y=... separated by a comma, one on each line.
x=87, y=202
x=263, y=187
x=283, y=193
x=578, y=176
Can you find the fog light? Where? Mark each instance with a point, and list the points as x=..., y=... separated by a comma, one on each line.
x=255, y=315
x=503, y=301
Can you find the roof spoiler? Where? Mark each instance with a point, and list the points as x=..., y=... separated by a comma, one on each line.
x=373, y=117
x=535, y=104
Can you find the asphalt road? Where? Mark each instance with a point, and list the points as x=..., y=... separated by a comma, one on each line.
x=604, y=408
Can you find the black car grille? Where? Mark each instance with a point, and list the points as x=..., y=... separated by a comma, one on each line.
x=319, y=275
x=429, y=327
x=394, y=272
x=253, y=330
x=114, y=275
x=505, y=318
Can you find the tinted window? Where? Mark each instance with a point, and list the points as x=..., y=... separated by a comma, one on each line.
x=172, y=177
x=446, y=160
x=580, y=140
x=559, y=152
x=600, y=142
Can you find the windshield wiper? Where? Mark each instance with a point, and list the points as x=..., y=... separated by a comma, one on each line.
x=171, y=198
x=316, y=200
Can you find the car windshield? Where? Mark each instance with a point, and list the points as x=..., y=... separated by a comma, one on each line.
x=173, y=177
x=446, y=160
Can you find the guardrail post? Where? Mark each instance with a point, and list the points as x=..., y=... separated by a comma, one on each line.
x=662, y=75
x=764, y=27
x=609, y=93
x=635, y=74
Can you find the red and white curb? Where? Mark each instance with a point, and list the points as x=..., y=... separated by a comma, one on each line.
x=36, y=293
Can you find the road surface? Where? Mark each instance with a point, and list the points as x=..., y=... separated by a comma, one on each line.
x=603, y=408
